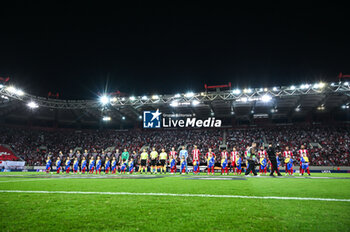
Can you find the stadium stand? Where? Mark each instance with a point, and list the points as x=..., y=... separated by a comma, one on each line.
x=33, y=144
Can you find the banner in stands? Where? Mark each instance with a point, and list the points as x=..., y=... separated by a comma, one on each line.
x=7, y=155
x=13, y=165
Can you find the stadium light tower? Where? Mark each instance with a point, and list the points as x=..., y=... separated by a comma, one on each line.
x=32, y=105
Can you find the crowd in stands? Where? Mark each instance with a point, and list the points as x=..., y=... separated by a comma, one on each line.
x=33, y=145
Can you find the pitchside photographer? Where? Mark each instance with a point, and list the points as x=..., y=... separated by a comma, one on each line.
x=251, y=158
x=271, y=152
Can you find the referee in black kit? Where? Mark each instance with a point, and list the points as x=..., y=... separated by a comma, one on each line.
x=272, y=157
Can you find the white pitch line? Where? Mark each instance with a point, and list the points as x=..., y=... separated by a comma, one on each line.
x=179, y=195
x=7, y=181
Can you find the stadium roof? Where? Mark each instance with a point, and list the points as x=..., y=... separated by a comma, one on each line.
x=241, y=104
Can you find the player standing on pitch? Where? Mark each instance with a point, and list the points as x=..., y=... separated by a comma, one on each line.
x=114, y=165
x=195, y=159
x=210, y=161
x=224, y=163
x=91, y=165
x=48, y=164
x=183, y=160
x=234, y=154
x=107, y=165
x=58, y=165
x=302, y=152
x=83, y=165
x=172, y=160
x=287, y=153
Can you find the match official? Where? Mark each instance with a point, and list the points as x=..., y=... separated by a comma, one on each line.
x=272, y=157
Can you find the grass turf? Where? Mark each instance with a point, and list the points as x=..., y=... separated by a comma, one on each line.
x=62, y=212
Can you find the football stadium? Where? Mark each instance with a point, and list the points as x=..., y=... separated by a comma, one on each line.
x=153, y=151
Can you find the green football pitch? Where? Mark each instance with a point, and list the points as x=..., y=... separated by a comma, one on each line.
x=68, y=202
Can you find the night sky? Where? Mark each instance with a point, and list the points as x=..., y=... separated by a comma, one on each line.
x=81, y=49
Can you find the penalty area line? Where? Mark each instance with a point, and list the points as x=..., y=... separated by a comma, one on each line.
x=180, y=195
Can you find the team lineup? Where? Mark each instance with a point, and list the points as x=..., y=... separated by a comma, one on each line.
x=232, y=162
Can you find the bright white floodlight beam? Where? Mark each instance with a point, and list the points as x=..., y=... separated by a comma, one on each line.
x=144, y=98
x=292, y=87
x=195, y=102
x=155, y=97
x=106, y=118
x=189, y=94
x=266, y=98
x=174, y=104
x=123, y=118
x=32, y=105
x=236, y=91
x=104, y=100
x=132, y=98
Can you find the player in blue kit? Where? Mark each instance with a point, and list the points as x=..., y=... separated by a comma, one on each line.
x=75, y=165
x=131, y=166
x=239, y=165
x=289, y=162
x=48, y=164
x=263, y=164
x=123, y=167
x=107, y=165
x=83, y=165
x=305, y=165
x=67, y=165
x=195, y=167
x=114, y=165
x=98, y=165
x=91, y=165
x=58, y=165
x=224, y=167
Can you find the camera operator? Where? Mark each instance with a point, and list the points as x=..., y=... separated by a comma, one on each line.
x=272, y=157
x=251, y=158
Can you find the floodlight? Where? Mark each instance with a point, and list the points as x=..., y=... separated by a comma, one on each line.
x=144, y=98
x=104, y=100
x=174, y=103
x=236, y=91
x=132, y=98
x=292, y=87
x=177, y=95
x=123, y=118
x=155, y=97
x=106, y=118
x=195, y=102
x=189, y=94
x=32, y=105
x=266, y=98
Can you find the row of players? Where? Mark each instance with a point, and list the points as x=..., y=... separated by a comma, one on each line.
x=161, y=160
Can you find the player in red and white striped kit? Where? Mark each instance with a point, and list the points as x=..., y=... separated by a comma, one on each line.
x=302, y=152
x=233, y=154
x=224, y=158
x=173, y=155
x=287, y=153
x=195, y=158
x=261, y=153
